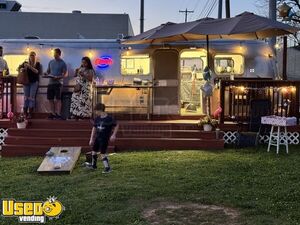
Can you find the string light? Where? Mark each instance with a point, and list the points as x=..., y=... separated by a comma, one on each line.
x=242, y=88
x=284, y=90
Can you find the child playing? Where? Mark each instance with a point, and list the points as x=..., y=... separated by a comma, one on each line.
x=104, y=130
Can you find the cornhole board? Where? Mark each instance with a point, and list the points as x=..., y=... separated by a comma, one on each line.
x=61, y=161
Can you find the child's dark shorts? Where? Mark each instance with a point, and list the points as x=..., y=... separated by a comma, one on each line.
x=100, y=145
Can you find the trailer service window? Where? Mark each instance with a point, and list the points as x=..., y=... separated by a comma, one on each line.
x=13, y=62
x=227, y=64
x=135, y=65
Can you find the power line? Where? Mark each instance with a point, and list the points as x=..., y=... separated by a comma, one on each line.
x=209, y=5
x=196, y=8
x=212, y=8
x=204, y=8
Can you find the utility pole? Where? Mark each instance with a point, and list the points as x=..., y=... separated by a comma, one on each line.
x=220, y=10
x=272, y=16
x=142, y=18
x=227, y=6
x=186, y=11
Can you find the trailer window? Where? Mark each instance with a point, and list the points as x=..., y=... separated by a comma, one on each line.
x=192, y=64
x=135, y=65
x=227, y=64
x=13, y=62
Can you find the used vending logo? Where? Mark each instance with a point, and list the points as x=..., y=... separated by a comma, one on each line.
x=32, y=211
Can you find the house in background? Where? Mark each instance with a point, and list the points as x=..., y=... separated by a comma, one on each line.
x=293, y=66
x=76, y=34
x=75, y=25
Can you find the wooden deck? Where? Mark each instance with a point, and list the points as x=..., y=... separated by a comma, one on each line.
x=43, y=134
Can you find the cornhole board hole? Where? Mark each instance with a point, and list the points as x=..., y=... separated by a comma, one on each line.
x=60, y=160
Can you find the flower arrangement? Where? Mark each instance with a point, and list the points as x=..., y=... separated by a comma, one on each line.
x=21, y=121
x=21, y=118
x=207, y=120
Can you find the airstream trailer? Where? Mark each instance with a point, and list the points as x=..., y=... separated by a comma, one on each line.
x=172, y=73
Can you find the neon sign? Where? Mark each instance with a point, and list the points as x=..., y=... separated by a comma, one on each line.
x=104, y=62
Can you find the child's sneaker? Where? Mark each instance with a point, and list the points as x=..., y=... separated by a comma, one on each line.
x=90, y=166
x=107, y=170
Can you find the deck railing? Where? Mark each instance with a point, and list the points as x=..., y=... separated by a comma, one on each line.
x=236, y=97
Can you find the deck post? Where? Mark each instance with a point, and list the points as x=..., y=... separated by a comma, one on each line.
x=297, y=103
x=222, y=100
x=284, y=59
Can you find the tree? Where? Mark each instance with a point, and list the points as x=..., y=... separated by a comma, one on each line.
x=288, y=11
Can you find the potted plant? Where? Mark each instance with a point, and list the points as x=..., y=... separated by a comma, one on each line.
x=207, y=123
x=21, y=121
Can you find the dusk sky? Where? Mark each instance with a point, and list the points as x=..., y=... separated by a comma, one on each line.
x=156, y=11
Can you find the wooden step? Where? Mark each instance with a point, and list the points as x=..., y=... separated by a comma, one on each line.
x=49, y=133
x=124, y=144
x=19, y=140
x=36, y=150
x=156, y=125
x=59, y=124
x=74, y=133
x=125, y=125
x=166, y=134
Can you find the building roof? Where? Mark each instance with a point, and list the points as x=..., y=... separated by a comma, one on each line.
x=18, y=25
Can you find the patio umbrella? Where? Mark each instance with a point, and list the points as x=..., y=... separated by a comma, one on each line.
x=169, y=32
x=245, y=26
x=147, y=36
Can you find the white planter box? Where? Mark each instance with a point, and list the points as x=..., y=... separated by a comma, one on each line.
x=279, y=121
x=207, y=127
x=21, y=125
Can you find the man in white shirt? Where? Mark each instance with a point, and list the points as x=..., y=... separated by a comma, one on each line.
x=3, y=64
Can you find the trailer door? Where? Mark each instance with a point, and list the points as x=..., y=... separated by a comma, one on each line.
x=166, y=71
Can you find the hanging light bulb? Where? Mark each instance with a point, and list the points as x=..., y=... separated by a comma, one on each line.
x=241, y=47
x=90, y=53
x=28, y=49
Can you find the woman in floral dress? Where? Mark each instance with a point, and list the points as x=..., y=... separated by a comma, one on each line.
x=81, y=105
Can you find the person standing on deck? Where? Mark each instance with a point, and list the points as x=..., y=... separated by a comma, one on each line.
x=57, y=70
x=33, y=68
x=81, y=104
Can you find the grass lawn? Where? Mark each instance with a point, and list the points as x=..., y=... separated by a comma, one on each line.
x=264, y=188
